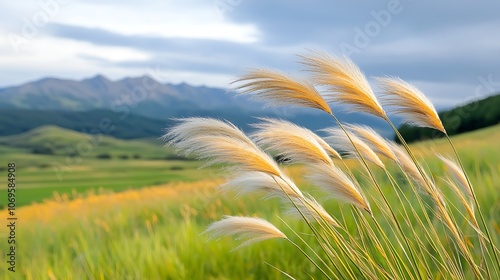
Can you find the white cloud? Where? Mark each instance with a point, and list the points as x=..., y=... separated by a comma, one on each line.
x=163, y=19
x=447, y=49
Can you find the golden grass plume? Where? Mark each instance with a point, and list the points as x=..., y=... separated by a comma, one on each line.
x=465, y=202
x=252, y=182
x=338, y=185
x=293, y=142
x=197, y=126
x=457, y=175
x=374, y=140
x=278, y=89
x=311, y=209
x=249, y=229
x=338, y=139
x=409, y=167
x=230, y=147
x=345, y=82
x=409, y=102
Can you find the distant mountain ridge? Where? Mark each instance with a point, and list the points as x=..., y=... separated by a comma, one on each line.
x=140, y=107
x=141, y=95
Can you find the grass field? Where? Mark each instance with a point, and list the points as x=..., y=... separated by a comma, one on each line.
x=154, y=232
x=74, y=165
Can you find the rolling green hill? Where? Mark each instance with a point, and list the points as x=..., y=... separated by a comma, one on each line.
x=469, y=117
x=119, y=125
x=53, y=140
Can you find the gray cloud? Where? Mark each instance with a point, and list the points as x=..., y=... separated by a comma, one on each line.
x=444, y=46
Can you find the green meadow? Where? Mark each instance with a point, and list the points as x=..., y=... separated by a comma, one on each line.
x=54, y=160
x=121, y=217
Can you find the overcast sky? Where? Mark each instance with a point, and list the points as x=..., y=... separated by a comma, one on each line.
x=449, y=49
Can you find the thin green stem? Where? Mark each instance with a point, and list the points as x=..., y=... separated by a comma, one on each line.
x=459, y=238
x=478, y=206
x=413, y=260
x=309, y=258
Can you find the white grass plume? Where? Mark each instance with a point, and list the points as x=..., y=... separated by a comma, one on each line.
x=292, y=141
x=469, y=207
x=249, y=229
x=338, y=185
x=197, y=126
x=409, y=102
x=278, y=89
x=457, y=175
x=311, y=209
x=345, y=81
x=252, y=182
x=376, y=142
x=410, y=169
x=222, y=149
x=339, y=140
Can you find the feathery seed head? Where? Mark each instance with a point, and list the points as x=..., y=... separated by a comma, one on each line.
x=337, y=184
x=457, y=174
x=278, y=89
x=250, y=182
x=410, y=169
x=376, y=142
x=249, y=229
x=407, y=165
x=469, y=207
x=410, y=102
x=292, y=141
x=197, y=126
x=220, y=142
x=345, y=81
x=223, y=149
x=311, y=209
x=338, y=139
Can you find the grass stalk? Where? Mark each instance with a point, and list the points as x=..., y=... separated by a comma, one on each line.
x=372, y=177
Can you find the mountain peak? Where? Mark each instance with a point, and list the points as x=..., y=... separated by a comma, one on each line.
x=98, y=82
x=139, y=78
x=98, y=77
